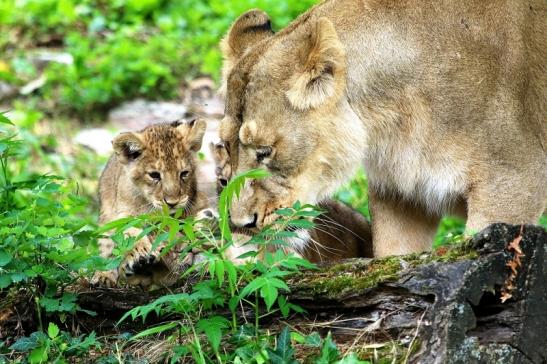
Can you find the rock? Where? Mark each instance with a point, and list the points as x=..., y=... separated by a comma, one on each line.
x=7, y=91
x=96, y=139
x=137, y=114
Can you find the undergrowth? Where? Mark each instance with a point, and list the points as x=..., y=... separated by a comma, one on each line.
x=48, y=248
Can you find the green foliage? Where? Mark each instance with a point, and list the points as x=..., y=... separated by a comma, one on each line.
x=44, y=244
x=258, y=284
x=54, y=346
x=123, y=49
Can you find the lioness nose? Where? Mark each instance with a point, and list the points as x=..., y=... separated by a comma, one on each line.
x=248, y=222
x=170, y=202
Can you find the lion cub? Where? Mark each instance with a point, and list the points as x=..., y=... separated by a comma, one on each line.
x=149, y=169
x=339, y=233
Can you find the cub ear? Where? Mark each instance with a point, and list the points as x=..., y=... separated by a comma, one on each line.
x=219, y=152
x=193, y=132
x=323, y=70
x=250, y=28
x=128, y=147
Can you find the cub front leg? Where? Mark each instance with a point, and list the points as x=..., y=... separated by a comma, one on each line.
x=139, y=257
x=107, y=278
x=400, y=228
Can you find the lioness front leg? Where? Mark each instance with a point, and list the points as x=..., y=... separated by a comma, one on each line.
x=399, y=228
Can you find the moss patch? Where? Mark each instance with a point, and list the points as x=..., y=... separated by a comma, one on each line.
x=360, y=274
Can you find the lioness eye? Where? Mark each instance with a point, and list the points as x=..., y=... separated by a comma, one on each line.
x=155, y=175
x=184, y=174
x=263, y=152
x=223, y=182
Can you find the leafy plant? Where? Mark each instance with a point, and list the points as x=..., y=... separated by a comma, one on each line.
x=44, y=245
x=54, y=346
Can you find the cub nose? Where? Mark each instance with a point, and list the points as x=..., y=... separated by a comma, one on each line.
x=247, y=222
x=171, y=202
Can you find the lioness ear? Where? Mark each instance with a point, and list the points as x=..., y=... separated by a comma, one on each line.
x=193, y=132
x=322, y=76
x=250, y=28
x=128, y=147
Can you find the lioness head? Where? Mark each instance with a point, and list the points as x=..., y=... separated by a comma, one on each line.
x=286, y=112
x=161, y=162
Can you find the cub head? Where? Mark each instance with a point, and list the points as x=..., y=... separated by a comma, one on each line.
x=161, y=162
x=286, y=112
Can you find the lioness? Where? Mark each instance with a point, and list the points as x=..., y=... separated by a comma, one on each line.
x=339, y=233
x=149, y=169
x=445, y=103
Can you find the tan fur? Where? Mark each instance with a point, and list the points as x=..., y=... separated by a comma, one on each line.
x=445, y=103
x=126, y=188
x=340, y=232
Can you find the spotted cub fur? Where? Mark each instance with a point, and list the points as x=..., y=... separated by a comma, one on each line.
x=149, y=169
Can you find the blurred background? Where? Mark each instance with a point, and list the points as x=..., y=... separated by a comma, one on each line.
x=73, y=73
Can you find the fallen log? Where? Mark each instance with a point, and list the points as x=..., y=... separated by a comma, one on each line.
x=481, y=302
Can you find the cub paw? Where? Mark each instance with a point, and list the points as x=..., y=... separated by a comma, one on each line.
x=139, y=258
x=105, y=278
x=206, y=219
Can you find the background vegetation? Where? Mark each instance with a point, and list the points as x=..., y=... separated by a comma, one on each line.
x=106, y=52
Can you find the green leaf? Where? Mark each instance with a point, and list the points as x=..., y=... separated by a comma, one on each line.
x=5, y=280
x=352, y=358
x=283, y=353
x=269, y=292
x=5, y=257
x=233, y=189
x=24, y=344
x=313, y=340
x=213, y=327
x=52, y=330
x=38, y=355
x=329, y=352
x=252, y=286
x=3, y=119
x=155, y=330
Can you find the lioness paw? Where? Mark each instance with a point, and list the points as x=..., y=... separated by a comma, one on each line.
x=105, y=278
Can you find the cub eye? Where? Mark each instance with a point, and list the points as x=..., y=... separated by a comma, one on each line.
x=155, y=175
x=223, y=182
x=263, y=152
x=184, y=174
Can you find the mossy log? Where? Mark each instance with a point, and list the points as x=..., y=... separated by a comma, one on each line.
x=484, y=301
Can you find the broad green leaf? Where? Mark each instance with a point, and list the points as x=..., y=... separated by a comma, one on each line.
x=329, y=352
x=252, y=286
x=5, y=257
x=38, y=355
x=52, y=330
x=313, y=340
x=283, y=353
x=213, y=327
x=5, y=280
x=269, y=293
x=24, y=344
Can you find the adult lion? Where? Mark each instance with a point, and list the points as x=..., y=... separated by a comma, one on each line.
x=444, y=101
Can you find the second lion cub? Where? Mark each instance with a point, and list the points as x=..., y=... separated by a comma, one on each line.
x=149, y=169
